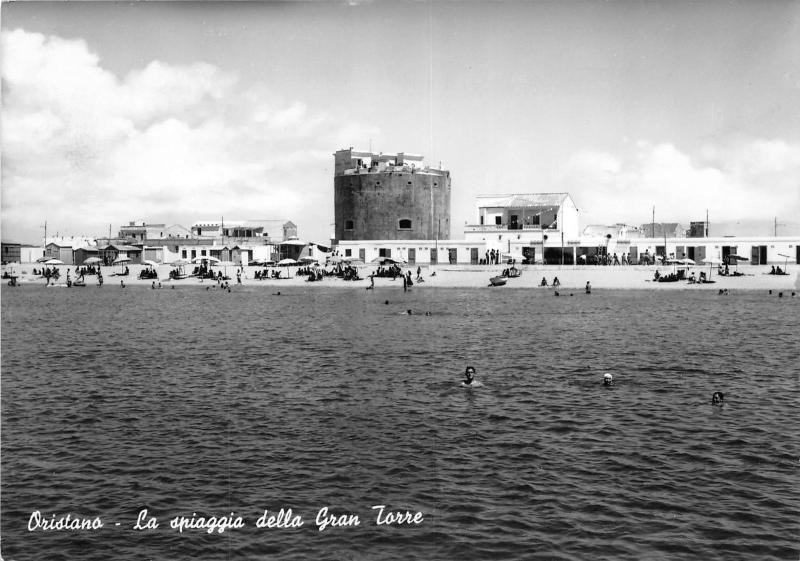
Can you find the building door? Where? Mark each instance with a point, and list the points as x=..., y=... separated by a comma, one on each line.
x=763, y=255
x=726, y=251
x=513, y=222
x=690, y=252
x=412, y=256
x=529, y=254
x=434, y=256
x=797, y=257
x=699, y=254
x=754, y=254
x=362, y=254
x=453, y=254
x=473, y=256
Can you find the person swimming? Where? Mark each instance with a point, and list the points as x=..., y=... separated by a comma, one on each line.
x=608, y=379
x=718, y=398
x=469, y=374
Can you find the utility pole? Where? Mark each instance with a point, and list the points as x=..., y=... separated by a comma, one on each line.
x=653, y=224
x=706, y=222
x=776, y=224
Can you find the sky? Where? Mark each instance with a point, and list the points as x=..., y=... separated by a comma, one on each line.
x=177, y=112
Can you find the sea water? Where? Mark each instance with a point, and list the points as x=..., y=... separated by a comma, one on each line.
x=173, y=407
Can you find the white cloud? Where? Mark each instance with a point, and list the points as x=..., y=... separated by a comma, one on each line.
x=743, y=180
x=83, y=148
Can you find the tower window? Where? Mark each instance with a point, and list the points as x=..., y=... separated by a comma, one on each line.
x=348, y=224
x=404, y=224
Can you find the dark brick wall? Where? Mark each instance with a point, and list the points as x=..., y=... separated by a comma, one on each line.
x=376, y=202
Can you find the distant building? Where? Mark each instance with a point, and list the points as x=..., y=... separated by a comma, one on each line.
x=61, y=251
x=11, y=252
x=661, y=229
x=81, y=254
x=261, y=231
x=141, y=231
x=528, y=222
x=112, y=252
x=389, y=197
x=31, y=253
x=698, y=229
x=615, y=231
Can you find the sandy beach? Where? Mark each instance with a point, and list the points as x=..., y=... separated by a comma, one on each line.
x=462, y=276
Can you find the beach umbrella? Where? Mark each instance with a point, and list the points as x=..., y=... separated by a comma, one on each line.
x=388, y=261
x=200, y=259
x=225, y=265
x=42, y=259
x=517, y=257
x=307, y=259
x=180, y=263
x=286, y=262
x=121, y=261
x=736, y=258
x=92, y=261
x=786, y=262
x=54, y=262
x=150, y=263
x=711, y=262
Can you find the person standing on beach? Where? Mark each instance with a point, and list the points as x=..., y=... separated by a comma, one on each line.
x=588, y=287
x=405, y=284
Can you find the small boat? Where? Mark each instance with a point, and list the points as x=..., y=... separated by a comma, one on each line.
x=497, y=281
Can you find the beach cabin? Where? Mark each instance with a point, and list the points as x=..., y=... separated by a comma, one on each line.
x=11, y=252
x=112, y=252
x=83, y=253
x=30, y=253
x=60, y=250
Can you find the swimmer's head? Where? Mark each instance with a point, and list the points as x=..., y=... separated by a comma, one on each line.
x=469, y=372
x=717, y=398
x=608, y=379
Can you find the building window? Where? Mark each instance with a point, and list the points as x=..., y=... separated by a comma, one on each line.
x=348, y=224
x=348, y=252
x=536, y=220
x=498, y=220
x=404, y=224
x=183, y=253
